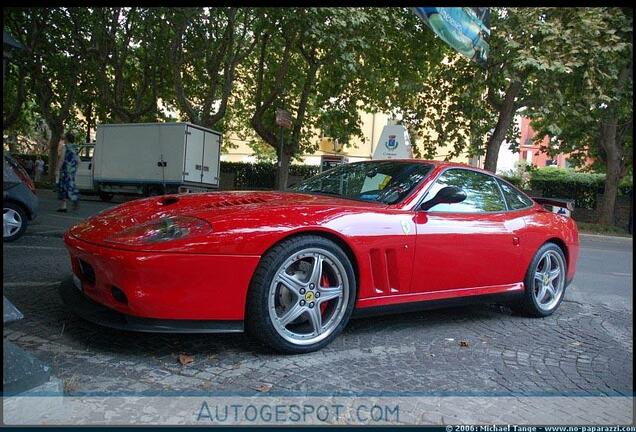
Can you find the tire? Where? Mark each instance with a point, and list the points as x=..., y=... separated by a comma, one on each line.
x=14, y=221
x=106, y=196
x=308, y=300
x=154, y=191
x=533, y=303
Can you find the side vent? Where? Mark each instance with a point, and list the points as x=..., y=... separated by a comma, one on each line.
x=392, y=270
x=384, y=270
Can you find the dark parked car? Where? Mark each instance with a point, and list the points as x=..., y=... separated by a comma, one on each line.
x=19, y=202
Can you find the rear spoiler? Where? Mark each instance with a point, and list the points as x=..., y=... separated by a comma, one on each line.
x=560, y=206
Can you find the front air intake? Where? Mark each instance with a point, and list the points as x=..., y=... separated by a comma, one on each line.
x=87, y=271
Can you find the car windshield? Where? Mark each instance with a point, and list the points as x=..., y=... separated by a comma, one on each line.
x=385, y=182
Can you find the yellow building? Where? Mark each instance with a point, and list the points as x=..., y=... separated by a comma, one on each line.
x=358, y=150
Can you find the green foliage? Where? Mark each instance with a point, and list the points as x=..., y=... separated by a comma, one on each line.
x=324, y=64
x=574, y=107
x=564, y=183
x=207, y=49
x=461, y=106
x=514, y=179
x=262, y=175
x=126, y=54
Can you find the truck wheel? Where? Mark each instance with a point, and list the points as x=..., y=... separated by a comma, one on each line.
x=14, y=221
x=106, y=196
x=154, y=191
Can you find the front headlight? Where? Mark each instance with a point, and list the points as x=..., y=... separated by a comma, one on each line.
x=162, y=230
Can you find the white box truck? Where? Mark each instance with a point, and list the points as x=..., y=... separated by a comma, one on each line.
x=155, y=158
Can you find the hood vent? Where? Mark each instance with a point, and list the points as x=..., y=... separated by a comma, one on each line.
x=236, y=202
x=168, y=201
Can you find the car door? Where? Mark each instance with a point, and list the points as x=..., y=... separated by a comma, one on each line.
x=466, y=245
x=193, y=164
x=84, y=175
x=211, y=150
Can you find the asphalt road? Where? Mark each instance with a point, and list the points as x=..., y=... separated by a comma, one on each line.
x=585, y=347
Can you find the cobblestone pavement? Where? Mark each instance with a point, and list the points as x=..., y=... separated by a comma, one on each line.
x=580, y=350
x=583, y=349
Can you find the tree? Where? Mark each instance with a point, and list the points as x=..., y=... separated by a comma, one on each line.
x=208, y=45
x=126, y=50
x=53, y=64
x=15, y=93
x=589, y=113
x=323, y=65
x=471, y=108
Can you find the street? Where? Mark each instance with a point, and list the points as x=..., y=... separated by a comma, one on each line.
x=585, y=348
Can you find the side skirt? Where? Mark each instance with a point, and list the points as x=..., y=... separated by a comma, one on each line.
x=502, y=298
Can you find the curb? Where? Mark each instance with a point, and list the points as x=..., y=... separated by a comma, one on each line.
x=606, y=236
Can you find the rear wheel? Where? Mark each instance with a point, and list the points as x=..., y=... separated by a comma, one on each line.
x=14, y=221
x=106, y=196
x=154, y=191
x=544, y=282
x=302, y=295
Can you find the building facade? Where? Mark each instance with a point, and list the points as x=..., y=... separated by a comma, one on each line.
x=359, y=149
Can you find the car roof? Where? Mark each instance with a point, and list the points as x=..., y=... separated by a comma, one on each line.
x=436, y=163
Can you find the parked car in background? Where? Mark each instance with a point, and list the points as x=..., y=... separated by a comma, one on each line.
x=19, y=202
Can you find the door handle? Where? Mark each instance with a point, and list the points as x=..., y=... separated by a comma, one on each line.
x=206, y=168
x=90, y=165
x=197, y=167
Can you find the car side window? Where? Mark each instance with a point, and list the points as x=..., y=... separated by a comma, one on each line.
x=482, y=192
x=515, y=199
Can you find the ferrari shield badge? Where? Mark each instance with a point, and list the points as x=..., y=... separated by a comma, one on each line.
x=406, y=227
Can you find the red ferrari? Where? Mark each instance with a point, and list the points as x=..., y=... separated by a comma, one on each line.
x=291, y=268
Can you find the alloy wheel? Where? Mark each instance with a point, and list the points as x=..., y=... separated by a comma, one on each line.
x=549, y=280
x=11, y=222
x=308, y=296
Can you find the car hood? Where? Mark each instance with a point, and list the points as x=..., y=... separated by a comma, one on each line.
x=224, y=210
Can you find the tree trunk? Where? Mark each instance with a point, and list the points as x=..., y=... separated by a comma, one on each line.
x=89, y=121
x=282, y=175
x=506, y=115
x=612, y=142
x=54, y=144
x=613, y=171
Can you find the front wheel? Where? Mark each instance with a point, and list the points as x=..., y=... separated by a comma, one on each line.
x=302, y=295
x=14, y=221
x=544, y=282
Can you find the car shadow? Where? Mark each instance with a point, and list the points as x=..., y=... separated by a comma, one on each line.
x=47, y=318
x=167, y=346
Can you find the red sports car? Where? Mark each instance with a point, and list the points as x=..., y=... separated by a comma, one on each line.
x=292, y=267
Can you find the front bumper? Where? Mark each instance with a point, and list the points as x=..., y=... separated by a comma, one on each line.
x=92, y=311
x=172, y=286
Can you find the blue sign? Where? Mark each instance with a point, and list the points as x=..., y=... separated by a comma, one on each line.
x=463, y=28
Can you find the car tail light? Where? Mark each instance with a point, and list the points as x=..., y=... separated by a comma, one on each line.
x=22, y=175
x=162, y=230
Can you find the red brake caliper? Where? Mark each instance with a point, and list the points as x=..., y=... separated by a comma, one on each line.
x=324, y=282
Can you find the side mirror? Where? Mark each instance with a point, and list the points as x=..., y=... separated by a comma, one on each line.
x=446, y=195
